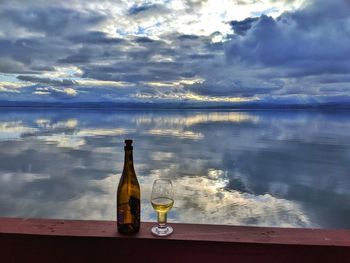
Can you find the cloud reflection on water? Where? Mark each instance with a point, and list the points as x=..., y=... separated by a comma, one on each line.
x=251, y=168
x=207, y=201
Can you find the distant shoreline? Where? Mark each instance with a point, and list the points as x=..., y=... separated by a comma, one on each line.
x=173, y=106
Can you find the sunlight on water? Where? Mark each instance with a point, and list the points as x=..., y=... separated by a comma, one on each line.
x=46, y=123
x=264, y=168
x=198, y=118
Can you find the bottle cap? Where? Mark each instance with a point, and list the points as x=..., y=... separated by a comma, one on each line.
x=128, y=144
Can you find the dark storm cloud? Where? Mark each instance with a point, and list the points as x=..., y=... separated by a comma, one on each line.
x=50, y=20
x=144, y=40
x=321, y=13
x=32, y=54
x=202, y=56
x=49, y=34
x=237, y=88
x=132, y=59
x=188, y=37
x=310, y=41
x=155, y=73
x=9, y=65
x=75, y=59
x=54, y=82
x=241, y=27
x=142, y=59
x=145, y=10
x=26, y=50
x=87, y=53
x=137, y=9
x=94, y=37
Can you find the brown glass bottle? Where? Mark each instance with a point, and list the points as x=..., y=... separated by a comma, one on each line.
x=128, y=196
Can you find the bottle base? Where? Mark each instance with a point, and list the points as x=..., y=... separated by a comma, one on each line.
x=128, y=229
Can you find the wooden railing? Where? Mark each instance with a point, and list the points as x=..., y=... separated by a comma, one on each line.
x=47, y=240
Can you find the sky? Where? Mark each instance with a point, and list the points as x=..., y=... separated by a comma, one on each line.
x=185, y=52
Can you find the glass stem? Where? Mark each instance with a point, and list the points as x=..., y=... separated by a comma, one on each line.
x=161, y=217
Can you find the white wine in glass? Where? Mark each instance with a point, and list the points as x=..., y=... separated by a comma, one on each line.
x=162, y=199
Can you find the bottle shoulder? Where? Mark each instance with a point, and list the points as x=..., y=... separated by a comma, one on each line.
x=128, y=180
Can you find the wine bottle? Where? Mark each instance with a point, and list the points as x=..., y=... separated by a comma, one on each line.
x=128, y=195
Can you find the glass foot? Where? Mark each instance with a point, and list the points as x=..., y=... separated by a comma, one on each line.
x=162, y=232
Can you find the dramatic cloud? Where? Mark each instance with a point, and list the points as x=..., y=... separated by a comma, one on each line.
x=241, y=27
x=288, y=42
x=147, y=10
x=183, y=52
x=50, y=21
x=63, y=82
x=307, y=49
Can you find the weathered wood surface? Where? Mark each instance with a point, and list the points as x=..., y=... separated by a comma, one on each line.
x=48, y=240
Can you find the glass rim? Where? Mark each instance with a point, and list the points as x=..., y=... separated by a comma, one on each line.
x=163, y=180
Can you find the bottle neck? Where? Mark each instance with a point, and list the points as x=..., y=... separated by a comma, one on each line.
x=128, y=159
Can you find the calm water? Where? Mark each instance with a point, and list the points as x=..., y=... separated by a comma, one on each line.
x=265, y=168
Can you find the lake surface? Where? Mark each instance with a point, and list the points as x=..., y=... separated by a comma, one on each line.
x=262, y=168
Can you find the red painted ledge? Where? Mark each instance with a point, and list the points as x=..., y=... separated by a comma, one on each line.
x=48, y=240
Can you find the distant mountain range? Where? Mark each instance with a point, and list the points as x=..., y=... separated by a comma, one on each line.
x=173, y=105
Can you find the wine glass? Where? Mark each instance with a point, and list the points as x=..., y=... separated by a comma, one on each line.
x=162, y=199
